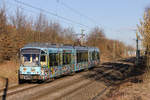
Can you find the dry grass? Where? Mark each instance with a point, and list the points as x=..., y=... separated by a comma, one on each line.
x=9, y=70
x=131, y=90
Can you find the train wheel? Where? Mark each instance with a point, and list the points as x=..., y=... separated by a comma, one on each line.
x=39, y=81
x=72, y=73
x=86, y=69
x=20, y=81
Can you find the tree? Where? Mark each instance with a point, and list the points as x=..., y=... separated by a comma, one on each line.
x=144, y=28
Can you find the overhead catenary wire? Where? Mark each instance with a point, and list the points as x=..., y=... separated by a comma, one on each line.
x=51, y=13
x=78, y=12
x=29, y=10
x=23, y=8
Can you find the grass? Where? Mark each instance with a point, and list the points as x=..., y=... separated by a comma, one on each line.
x=131, y=91
x=136, y=88
x=8, y=70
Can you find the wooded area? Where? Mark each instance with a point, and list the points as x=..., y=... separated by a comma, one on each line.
x=144, y=29
x=19, y=29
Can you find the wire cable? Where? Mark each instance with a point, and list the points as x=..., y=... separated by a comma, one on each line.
x=51, y=13
x=77, y=12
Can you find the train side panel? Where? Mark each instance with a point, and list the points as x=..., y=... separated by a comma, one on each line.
x=56, y=61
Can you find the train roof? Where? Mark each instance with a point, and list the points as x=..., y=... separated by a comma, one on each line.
x=41, y=45
x=50, y=45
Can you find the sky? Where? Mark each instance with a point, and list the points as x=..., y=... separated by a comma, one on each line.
x=118, y=18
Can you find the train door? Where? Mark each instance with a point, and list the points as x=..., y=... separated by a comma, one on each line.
x=55, y=64
x=43, y=60
x=67, y=62
x=97, y=58
x=85, y=55
x=73, y=57
x=44, y=65
x=90, y=59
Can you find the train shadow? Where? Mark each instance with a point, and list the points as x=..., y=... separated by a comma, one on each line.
x=114, y=73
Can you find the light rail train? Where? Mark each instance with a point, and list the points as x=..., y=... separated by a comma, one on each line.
x=44, y=61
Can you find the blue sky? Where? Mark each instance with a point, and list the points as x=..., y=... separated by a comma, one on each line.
x=118, y=18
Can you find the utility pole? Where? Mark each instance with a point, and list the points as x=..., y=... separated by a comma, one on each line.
x=82, y=35
x=114, y=50
x=137, y=48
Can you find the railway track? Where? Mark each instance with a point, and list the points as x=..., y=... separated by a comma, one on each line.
x=67, y=87
x=66, y=90
x=17, y=89
x=13, y=92
x=70, y=91
x=29, y=87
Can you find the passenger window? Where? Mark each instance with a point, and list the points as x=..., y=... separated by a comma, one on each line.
x=42, y=52
x=54, y=59
x=93, y=55
x=43, y=58
x=66, y=58
x=98, y=55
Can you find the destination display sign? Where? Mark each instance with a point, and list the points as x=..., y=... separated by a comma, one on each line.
x=30, y=51
x=67, y=51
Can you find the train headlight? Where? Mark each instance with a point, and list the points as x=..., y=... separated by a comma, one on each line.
x=32, y=70
x=24, y=69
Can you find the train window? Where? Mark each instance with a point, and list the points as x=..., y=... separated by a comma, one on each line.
x=90, y=55
x=53, y=59
x=93, y=55
x=43, y=61
x=69, y=58
x=78, y=57
x=43, y=58
x=60, y=59
x=86, y=56
x=98, y=55
x=30, y=59
x=43, y=52
x=82, y=56
x=66, y=58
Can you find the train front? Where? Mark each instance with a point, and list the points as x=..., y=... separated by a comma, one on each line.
x=29, y=65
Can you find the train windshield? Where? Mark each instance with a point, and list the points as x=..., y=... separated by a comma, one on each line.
x=30, y=60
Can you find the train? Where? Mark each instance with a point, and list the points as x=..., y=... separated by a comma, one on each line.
x=45, y=61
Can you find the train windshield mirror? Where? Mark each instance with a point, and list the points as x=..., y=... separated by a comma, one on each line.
x=30, y=60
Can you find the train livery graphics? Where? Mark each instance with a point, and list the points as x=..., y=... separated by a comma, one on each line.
x=43, y=61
